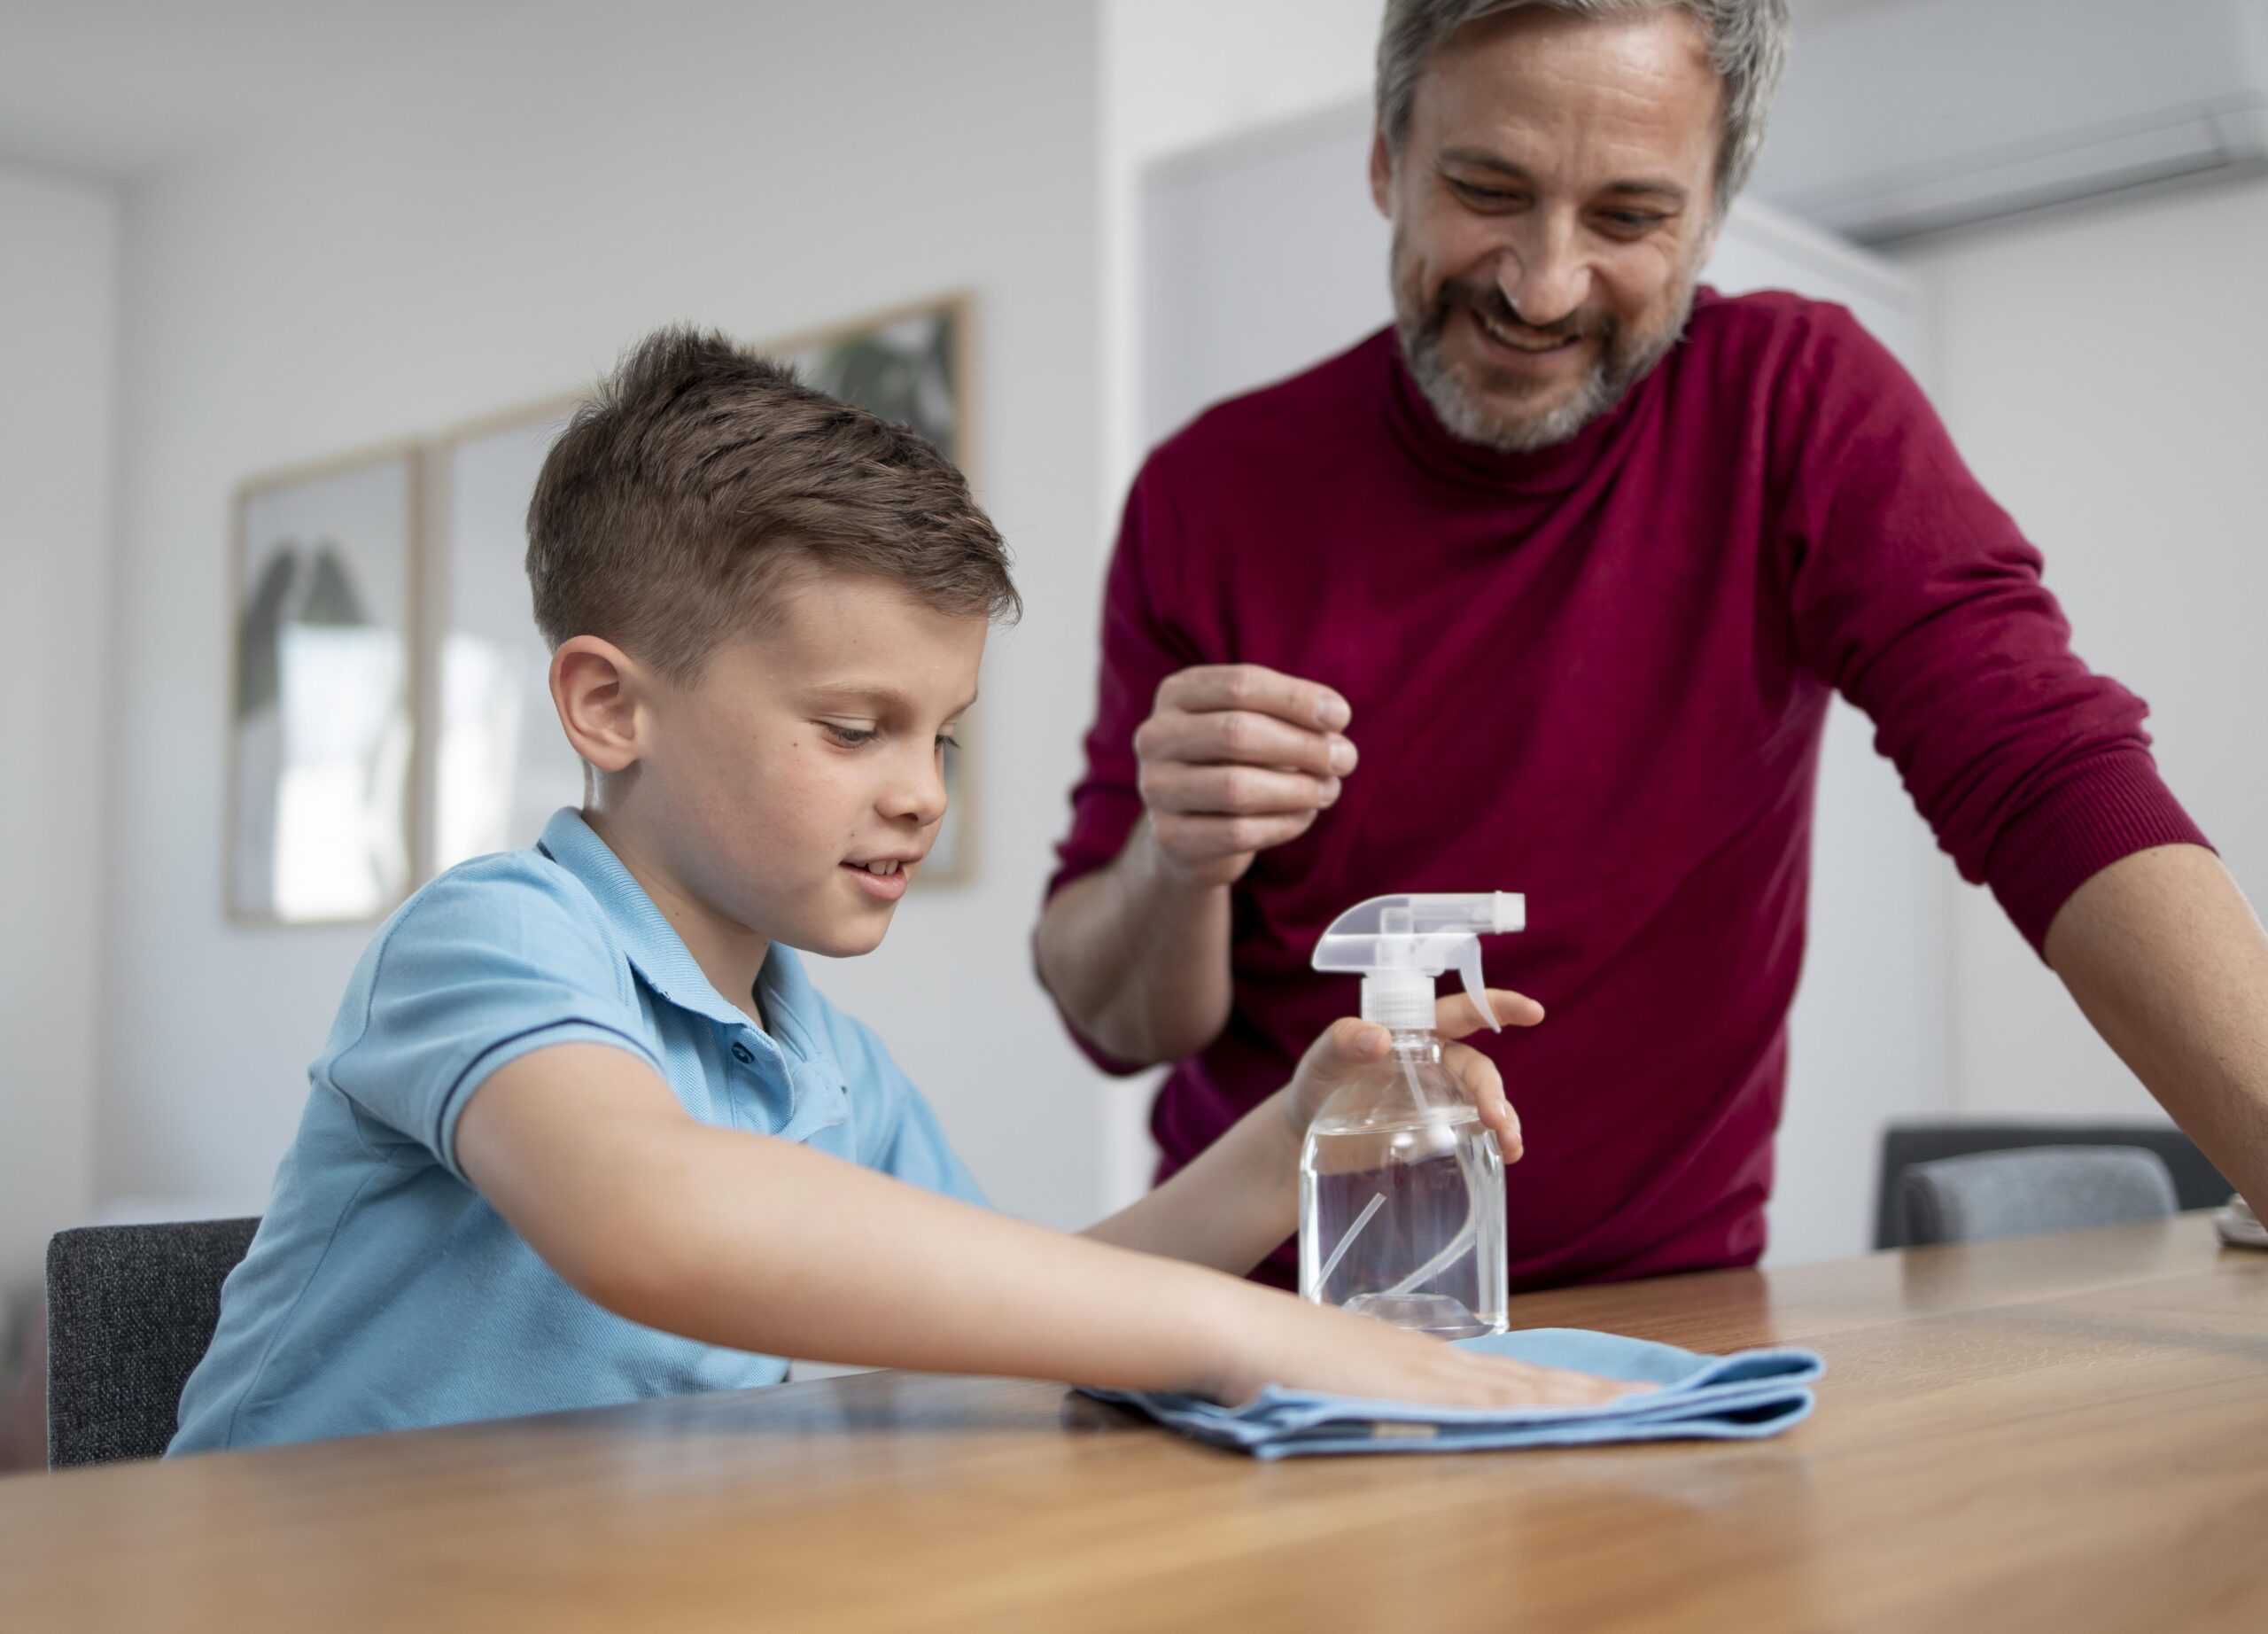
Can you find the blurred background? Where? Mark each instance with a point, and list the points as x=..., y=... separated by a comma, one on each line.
x=240, y=238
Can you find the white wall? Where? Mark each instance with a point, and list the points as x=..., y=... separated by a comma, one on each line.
x=489, y=234
x=2103, y=373
x=58, y=291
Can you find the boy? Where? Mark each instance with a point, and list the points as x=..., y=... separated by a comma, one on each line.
x=584, y=1132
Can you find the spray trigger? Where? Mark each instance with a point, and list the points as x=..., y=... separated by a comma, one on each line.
x=1468, y=966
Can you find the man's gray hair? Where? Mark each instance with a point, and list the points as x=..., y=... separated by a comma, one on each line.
x=1748, y=46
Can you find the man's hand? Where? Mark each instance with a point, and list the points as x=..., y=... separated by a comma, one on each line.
x=1236, y=758
x=1350, y=1045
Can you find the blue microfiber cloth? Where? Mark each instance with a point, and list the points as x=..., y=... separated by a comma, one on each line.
x=1737, y=1397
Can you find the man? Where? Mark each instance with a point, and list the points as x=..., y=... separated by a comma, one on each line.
x=1574, y=554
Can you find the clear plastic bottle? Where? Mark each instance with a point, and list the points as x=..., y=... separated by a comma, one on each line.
x=1401, y=1187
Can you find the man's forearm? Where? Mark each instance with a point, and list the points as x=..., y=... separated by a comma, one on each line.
x=2170, y=963
x=1137, y=956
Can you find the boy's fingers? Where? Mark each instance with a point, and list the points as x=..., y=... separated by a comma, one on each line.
x=1486, y=1086
x=1456, y=1014
x=1352, y=1038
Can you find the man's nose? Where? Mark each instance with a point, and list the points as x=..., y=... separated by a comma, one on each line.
x=1545, y=272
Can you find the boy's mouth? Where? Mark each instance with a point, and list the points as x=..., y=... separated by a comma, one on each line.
x=885, y=877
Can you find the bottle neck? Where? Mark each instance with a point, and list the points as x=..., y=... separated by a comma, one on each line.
x=1415, y=1044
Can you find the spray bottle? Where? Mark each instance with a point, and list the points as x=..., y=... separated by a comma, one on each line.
x=1401, y=1185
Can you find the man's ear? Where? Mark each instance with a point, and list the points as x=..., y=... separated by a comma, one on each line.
x=1381, y=173
x=598, y=691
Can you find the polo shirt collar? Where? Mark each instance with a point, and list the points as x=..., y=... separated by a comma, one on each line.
x=660, y=955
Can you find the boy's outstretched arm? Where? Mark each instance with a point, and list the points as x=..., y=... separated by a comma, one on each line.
x=1237, y=1200
x=743, y=1239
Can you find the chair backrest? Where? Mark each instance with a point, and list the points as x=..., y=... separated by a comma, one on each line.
x=2196, y=1183
x=130, y=1311
x=2041, y=1188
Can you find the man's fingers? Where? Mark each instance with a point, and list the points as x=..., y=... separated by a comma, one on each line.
x=1254, y=686
x=1242, y=736
x=1194, y=839
x=1456, y=1014
x=1234, y=790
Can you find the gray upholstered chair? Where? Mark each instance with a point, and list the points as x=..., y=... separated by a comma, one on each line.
x=2196, y=1183
x=2041, y=1188
x=130, y=1311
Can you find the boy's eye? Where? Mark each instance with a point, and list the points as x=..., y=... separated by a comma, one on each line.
x=946, y=740
x=850, y=737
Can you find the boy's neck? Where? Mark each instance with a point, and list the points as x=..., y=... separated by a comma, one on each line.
x=730, y=955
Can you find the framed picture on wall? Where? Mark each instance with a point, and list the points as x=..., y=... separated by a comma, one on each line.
x=499, y=766
x=910, y=366
x=323, y=589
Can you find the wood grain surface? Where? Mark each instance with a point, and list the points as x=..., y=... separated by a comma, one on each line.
x=2061, y=1432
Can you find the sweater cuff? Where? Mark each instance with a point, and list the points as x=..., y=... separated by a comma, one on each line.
x=2106, y=808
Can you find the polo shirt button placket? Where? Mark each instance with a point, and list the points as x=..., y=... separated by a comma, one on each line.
x=743, y=1055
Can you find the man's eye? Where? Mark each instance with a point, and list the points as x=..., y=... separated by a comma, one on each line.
x=850, y=737
x=1635, y=221
x=1492, y=195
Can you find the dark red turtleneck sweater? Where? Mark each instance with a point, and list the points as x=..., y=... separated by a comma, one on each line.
x=1598, y=676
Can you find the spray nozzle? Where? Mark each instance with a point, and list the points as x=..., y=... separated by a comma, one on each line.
x=1400, y=945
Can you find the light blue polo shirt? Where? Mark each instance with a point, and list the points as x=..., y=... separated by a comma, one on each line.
x=382, y=1292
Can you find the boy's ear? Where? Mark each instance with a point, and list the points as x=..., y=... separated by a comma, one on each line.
x=597, y=688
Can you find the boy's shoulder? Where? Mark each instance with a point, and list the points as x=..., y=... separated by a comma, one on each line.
x=516, y=914
x=520, y=902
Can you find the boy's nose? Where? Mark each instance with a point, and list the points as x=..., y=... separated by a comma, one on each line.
x=920, y=799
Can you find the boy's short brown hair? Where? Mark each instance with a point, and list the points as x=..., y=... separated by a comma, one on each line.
x=701, y=474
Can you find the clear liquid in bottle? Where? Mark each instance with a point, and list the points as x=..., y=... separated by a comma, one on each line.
x=1402, y=1218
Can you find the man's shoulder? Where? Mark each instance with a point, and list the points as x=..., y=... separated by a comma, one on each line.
x=1775, y=327
x=1291, y=416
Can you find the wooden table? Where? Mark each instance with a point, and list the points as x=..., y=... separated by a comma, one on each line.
x=2063, y=1432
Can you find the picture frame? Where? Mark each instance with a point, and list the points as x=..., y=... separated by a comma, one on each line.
x=496, y=766
x=324, y=597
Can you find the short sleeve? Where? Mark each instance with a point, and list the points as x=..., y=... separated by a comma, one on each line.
x=493, y=960
x=896, y=1132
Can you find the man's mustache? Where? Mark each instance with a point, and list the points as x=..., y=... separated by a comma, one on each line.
x=1492, y=305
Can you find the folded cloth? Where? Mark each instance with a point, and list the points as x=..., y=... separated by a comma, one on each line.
x=1738, y=1398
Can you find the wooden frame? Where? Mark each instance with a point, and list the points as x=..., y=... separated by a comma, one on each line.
x=275, y=592
x=436, y=851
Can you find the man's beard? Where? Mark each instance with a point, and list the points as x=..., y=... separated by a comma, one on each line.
x=1626, y=356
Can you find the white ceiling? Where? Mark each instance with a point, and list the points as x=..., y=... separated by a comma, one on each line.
x=113, y=89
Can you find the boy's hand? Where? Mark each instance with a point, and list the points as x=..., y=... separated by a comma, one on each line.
x=1280, y=1340
x=1351, y=1046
